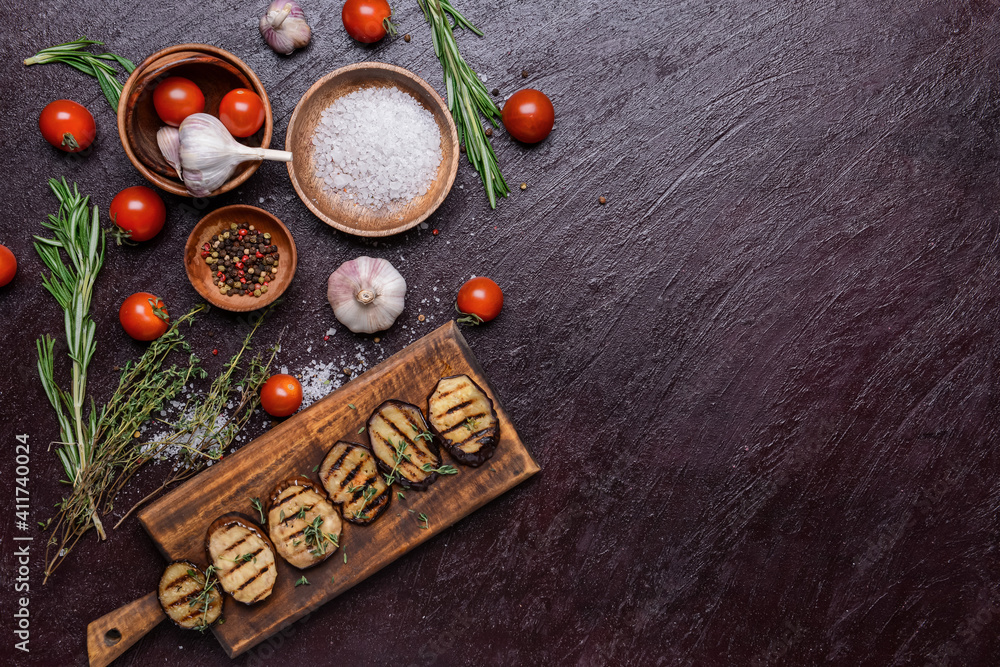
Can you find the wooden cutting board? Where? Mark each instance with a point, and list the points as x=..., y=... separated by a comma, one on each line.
x=178, y=521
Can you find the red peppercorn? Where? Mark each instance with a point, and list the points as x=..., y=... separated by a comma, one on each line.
x=243, y=232
x=215, y=351
x=206, y=247
x=239, y=265
x=326, y=338
x=221, y=274
x=435, y=232
x=246, y=257
x=205, y=253
x=258, y=254
x=243, y=280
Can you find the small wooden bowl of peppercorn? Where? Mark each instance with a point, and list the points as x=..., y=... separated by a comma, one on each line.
x=240, y=258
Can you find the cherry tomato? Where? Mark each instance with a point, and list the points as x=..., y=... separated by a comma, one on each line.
x=67, y=125
x=140, y=211
x=242, y=112
x=8, y=265
x=528, y=115
x=480, y=299
x=176, y=98
x=367, y=20
x=138, y=318
x=281, y=395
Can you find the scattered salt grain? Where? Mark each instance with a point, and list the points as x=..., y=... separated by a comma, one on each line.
x=377, y=146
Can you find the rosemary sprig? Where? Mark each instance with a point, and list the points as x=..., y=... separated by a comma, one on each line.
x=77, y=233
x=467, y=96
x=98, y=66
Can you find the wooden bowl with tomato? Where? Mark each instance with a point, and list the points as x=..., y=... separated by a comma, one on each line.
x=203, y=276
x=214, y=72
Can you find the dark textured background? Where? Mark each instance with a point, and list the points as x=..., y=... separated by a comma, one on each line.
x=761, y=381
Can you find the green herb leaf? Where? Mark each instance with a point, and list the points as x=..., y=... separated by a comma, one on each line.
x=302, y=581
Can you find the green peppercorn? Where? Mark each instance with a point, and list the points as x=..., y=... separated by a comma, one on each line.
x=263, y=290
x=256, y=292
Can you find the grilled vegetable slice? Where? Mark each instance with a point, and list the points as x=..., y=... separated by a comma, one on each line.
x=350, y=475
x=461, y=414
x=304, y=526
x=242, y=556
x=403, y=445
x=185, y=597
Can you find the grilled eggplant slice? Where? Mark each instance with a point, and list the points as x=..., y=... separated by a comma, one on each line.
x=243, y=557
x=461, y=415
x=350, y=475
x=304, y=526
x=403, y=445
x=185, y=599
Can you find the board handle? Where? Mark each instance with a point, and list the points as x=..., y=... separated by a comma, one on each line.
x=112, y=634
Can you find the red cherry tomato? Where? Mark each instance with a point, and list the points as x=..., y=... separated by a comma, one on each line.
x=367, y=20
x=242, y=112
x=480, y=299
x=140, y=211
x=67, y=125
x=281, y=395
x=528, y=115
x=176, y=98
x=8, y=265
x=139, y=319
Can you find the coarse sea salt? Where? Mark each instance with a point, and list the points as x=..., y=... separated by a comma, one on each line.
x=377, y=146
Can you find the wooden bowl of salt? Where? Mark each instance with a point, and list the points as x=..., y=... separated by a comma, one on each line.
x=345, y=207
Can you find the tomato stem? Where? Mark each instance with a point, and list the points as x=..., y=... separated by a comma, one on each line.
x=69, y=141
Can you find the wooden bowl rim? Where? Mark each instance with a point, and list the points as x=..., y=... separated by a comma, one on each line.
x=174, y=186
x=452, y=135
x=226, y=303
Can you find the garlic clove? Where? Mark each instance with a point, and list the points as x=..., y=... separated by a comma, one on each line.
x=209, y=155
x=367, y=294
x=284, y=27
x=169, y=141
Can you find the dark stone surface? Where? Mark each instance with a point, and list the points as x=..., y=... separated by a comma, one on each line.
x=761, y=381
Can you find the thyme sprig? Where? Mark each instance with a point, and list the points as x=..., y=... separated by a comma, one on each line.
x=425, y=435
x=99, y=66
x=467, y=96
x=398, y=456
x=256, y=504
x=145, y=387
x=204, y=598
x=443, y=470
x=366, y=497
x=317, y=539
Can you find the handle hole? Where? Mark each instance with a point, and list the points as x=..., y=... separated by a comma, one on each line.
x=112, y=637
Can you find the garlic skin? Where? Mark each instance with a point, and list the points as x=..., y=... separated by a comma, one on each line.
x=367, y=294
x=209, y=155
x=284, y=27
x=169, y=141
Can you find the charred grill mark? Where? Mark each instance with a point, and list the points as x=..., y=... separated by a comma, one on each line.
x=401, y=432
x=290, y=518
x=298, y=491
x=478, y=435
x=474, y=418
x=344, y=455
x=349, y=476
x=458, y=406
x=235, y=544
x=250, y=581
x=295, y=534
x=178, y=580
x=186, y=599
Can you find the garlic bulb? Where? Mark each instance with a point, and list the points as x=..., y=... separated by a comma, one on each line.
x=367, y=294
x=209, y=155
x=284, y=27
x=169, y=141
